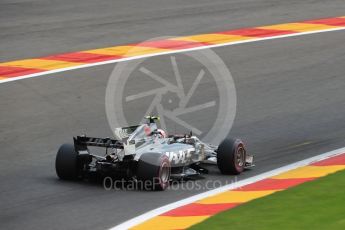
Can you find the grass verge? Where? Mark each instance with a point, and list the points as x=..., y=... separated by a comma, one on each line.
x=318, y=204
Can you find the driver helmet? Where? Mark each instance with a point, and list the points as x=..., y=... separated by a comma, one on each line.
x=162, y=133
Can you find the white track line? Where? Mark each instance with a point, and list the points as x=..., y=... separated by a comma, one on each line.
x=148, y=215
x=164, y=53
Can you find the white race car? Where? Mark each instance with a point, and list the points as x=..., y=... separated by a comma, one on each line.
x=145, y=154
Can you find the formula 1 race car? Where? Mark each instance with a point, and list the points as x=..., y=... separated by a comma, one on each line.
x=145, y=154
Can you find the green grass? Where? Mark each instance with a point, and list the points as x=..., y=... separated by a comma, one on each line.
x=318, y=204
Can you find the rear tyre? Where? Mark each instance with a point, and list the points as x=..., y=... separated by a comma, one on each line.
x=66, y=163
x=153, y=172
x=231, y=156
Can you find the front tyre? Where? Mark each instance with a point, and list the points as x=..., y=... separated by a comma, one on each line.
x=66, y=163
x=231, y=156
x=153, y=172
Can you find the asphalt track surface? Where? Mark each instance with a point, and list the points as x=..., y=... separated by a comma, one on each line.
x=290, y=97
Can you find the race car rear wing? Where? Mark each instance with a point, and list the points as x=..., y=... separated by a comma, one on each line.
x=81, y=143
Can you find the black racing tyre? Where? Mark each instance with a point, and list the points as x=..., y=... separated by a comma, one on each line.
x=153, y=172
x=231, y=156
x=66, y=163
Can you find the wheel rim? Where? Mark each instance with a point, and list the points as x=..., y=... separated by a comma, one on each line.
x=164, y=173
x=240, y=156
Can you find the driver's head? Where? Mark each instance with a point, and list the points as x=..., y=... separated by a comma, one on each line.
x=162, y=133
